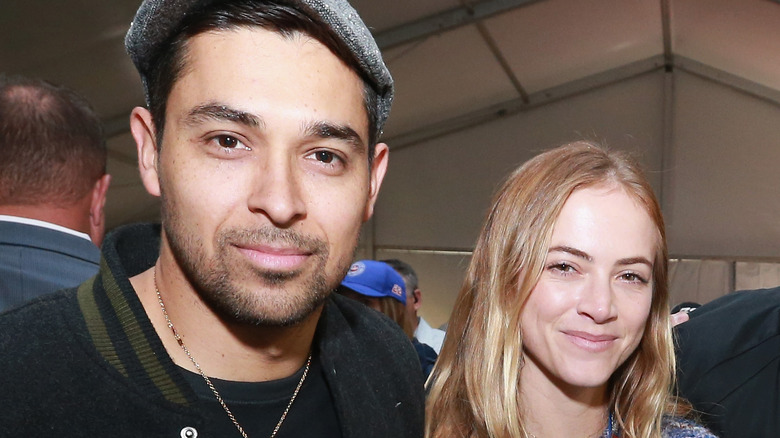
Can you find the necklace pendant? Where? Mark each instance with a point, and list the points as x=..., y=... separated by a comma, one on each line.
x=240, y=429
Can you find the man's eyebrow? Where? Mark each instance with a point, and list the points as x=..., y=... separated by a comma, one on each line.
x=219, y=112
x=573, y=251
x=326, y=130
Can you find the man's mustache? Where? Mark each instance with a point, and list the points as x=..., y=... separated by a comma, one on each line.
x=272, y=236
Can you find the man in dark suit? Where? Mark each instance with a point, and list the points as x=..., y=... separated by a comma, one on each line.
x=729, y=363
x=53, y=186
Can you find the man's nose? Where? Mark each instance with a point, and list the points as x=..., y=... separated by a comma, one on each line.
x=277, y=191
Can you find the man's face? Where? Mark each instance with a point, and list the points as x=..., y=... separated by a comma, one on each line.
x=412, y=302
x=263, y=173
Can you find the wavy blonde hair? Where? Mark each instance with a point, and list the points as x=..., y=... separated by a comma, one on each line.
x=391, y=307
x=474, y=388
x=396, y=311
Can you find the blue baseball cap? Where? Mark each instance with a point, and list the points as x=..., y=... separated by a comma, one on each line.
x=375, y=279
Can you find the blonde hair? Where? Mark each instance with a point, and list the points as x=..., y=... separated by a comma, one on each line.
x=391, y=307
x=396, y=311
x=474, y=388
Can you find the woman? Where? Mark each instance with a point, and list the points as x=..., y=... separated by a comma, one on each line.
x=562, y=326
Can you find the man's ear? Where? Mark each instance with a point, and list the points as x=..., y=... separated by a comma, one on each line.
x=378, y=170
x=97, y=214
x=144, y=134
x=417, y=295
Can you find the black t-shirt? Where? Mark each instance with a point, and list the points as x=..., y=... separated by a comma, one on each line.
x=258, y=406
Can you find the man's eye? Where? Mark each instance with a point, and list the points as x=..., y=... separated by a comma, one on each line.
x=325, y=156
x=227, y=141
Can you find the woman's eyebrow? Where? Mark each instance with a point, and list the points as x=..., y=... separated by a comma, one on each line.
x=583, y=255
x=573, y=251
x=635, y=260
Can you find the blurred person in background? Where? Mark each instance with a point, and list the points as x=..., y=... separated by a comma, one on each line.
x=380, y=287
x=729, y=363
x=53, y=186
x=422, y=330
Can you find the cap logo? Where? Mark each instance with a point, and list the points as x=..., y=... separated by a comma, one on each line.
x=397, y=290
x=356, y=269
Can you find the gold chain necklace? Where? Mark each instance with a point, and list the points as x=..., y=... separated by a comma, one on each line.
x=208, y=381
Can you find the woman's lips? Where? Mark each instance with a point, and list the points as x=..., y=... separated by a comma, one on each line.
x=591, y=342
x=273, y=258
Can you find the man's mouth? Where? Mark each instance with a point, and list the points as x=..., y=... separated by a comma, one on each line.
x=275, y=258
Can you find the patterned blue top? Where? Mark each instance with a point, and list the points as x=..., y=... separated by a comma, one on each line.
x=673, y=427
x=681, y=428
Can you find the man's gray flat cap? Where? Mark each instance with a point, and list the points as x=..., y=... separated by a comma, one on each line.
x=157, y=20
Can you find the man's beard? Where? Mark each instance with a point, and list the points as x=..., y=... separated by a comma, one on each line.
x=283, y=298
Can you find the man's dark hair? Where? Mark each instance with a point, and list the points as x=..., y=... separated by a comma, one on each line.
x=406, y=271
x=52, y=148
x=285, y=20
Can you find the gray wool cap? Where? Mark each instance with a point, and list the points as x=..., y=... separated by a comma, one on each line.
x=157, y=20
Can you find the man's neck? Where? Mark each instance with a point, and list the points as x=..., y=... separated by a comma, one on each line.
x=223, y=349
x=71, y=217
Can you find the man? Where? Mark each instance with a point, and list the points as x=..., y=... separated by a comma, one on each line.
x=53, y=185
x=422, y=330
x=729, y=363
x=260, y=139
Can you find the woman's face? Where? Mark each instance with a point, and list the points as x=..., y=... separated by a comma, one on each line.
x=588, y=311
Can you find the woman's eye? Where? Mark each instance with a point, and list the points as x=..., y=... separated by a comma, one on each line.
x=564, y=268
x=633, y=278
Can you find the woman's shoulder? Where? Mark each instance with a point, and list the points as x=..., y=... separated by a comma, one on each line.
x=676, y=427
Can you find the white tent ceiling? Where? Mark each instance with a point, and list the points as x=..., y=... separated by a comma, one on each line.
x=456, y=63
